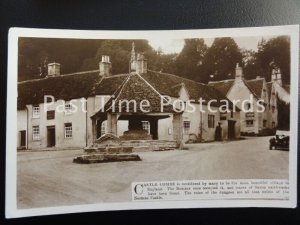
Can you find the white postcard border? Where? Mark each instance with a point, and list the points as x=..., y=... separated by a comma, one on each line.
x=11, y=148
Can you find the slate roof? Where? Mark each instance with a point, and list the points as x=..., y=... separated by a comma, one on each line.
x=282, y=93
x=287, y=88
x=64, y=87
x=110, y=84
x=255, y=86
x=135, y=88
x=167, y=84
x=222, y=86
x=90, y=83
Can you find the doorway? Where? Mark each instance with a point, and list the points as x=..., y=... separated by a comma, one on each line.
x=23, y=138
x=231, y=129
x=50, y=136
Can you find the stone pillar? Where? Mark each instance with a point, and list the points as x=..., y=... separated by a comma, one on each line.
x=112, y=120
x=94, y=130
x=177, y=129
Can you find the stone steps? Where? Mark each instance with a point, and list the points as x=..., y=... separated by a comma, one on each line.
x=105, y=158
x=126, y=146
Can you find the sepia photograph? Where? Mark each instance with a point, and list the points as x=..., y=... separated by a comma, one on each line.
x=157, y=119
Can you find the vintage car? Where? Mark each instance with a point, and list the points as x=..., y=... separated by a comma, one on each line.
x=281, y=140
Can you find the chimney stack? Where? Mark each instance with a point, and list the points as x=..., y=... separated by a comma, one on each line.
x=53, y=69
x=132, y=63
x=141, y=63
x=238, y=73
x=105, y=66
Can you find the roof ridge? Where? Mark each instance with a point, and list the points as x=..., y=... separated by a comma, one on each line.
x=82, y=72
x=220, y=81
x=117, y=75
x=62, y=75
x=256, y=79
x=176, y=76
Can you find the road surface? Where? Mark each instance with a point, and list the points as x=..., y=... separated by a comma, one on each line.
x=51, y=179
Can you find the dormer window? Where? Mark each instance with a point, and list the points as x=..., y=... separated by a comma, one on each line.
x=36, y=111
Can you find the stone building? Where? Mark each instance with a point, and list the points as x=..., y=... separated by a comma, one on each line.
x=86, y=105
x=254, y=121
x=279, y=106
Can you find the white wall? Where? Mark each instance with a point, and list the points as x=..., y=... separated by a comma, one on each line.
x=239, y=93
x=78, y=120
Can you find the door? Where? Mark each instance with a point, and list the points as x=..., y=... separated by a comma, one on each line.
x=23, y=138
x=231, y=129
x=50, y=136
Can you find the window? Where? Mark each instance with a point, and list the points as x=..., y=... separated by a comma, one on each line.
x=186, y=127
x=211, y=121
x=68, y=108
x=248, y=106
x=273, y=108
x=273, y=124
x=50, y=115
x=264, y=123
x=103, y=128
x=182, y=105
x=36, y=111
x=146, y=126
x=249, y=123
x=35, y=133
x=169, y=131
x=68, y=130
x=223, y=116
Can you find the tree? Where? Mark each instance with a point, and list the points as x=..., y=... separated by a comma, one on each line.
x=251, y=68
x=70, y=53
x=275, y=51
x=190, y=59
x=220, y=59
x=119, y=52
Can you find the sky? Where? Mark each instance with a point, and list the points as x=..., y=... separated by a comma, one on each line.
x=175, y=45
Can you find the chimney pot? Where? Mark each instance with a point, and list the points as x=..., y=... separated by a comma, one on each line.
x=53, y=69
